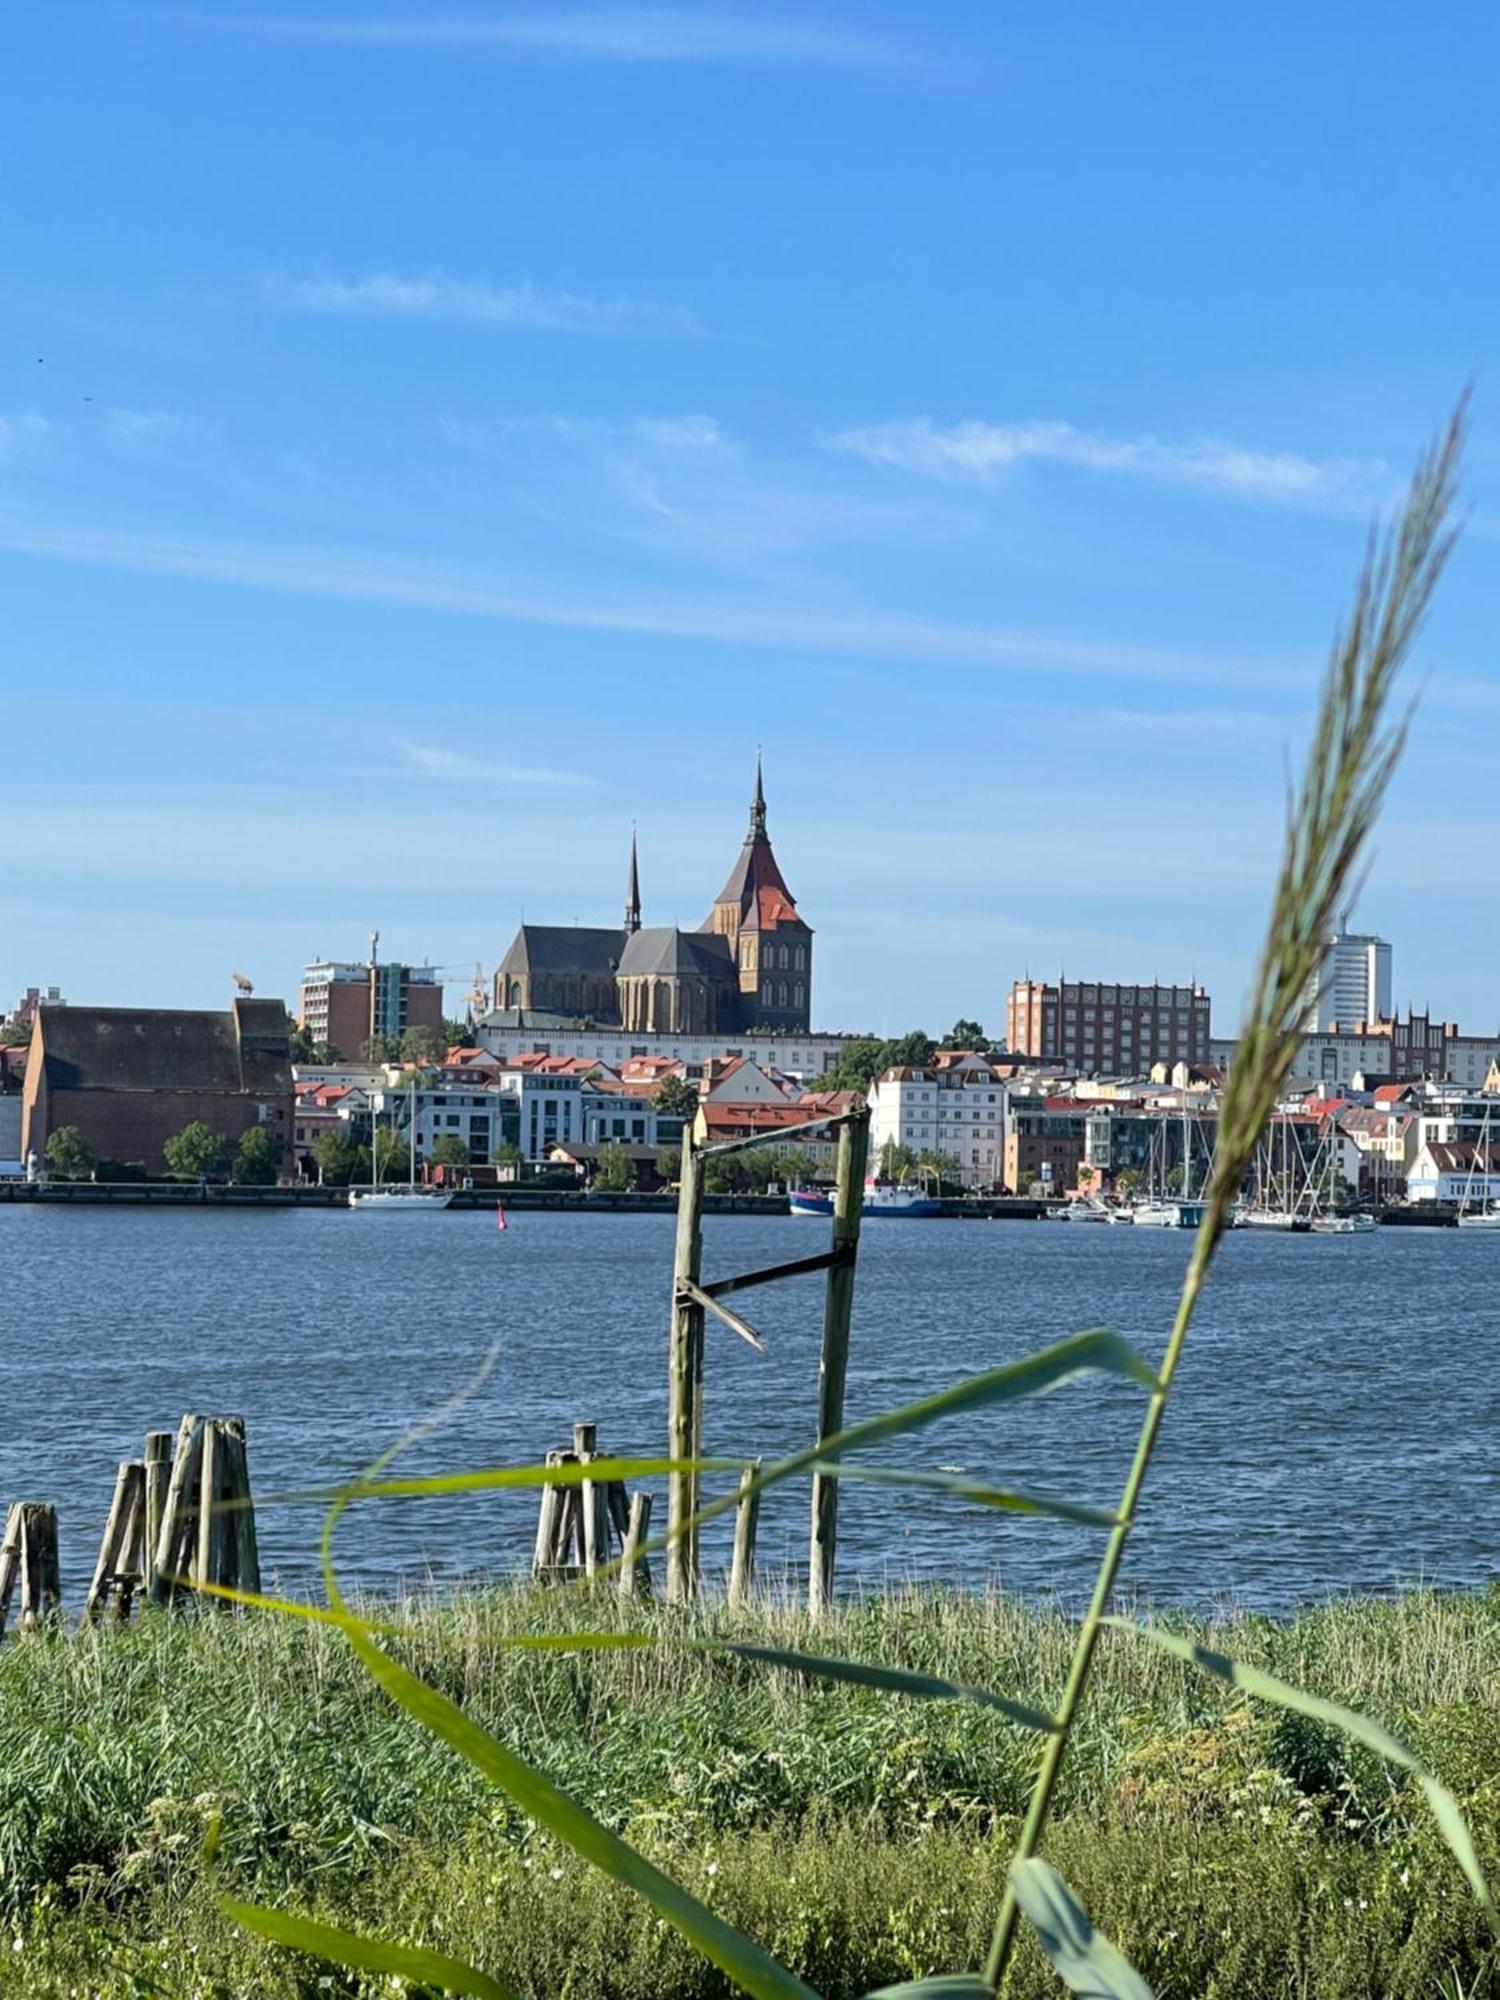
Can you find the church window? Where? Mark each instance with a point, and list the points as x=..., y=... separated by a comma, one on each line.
x=800, y=958
x=797, y=994
x=781, y=994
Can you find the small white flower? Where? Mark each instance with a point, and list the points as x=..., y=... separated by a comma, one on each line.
x=556, y=1874
x=713, y=1868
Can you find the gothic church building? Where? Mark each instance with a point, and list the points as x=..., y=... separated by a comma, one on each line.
x=748, y=966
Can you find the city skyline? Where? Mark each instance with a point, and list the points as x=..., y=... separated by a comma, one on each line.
x=512, y=419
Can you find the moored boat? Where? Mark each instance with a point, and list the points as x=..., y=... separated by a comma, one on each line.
x=882, y=1198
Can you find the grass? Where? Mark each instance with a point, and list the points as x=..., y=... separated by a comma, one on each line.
x=1227, y=1848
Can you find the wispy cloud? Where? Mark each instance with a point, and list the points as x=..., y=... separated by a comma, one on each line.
x=359, y=576
x=22, y=433
x=426, y=760
x=983, y=452
x=630, y=34
x=132, y=431
x=433, y=295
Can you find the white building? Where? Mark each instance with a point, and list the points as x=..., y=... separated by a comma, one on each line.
x=1455, y=1174
x=956, y=1107
x=1352, y=984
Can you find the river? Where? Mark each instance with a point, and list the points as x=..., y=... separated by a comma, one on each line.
x=1334, y=1426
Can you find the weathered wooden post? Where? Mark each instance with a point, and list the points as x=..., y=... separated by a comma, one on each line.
x=746, y=1517
x=685, y=1379
x=176, y=1538
x=119, y=1568
x=28, y=1556
x=635, y=1571
x=854, y=1151
x=158, y=1472
x=241, y=1527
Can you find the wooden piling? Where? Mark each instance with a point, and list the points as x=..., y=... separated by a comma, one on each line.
x=208, y=1563
x=28, y=1558
x=119, y=1570
x=548, y=1516
x=685, y=1380
x=241, y=1526
x=176, y=1539
x=854, y=1150
x=635, y=1571
x=158, y=1471
x=746, y=1519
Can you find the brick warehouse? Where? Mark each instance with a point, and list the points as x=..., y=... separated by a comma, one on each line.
x=130, y=1078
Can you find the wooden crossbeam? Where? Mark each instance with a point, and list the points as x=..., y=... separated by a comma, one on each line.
x=699, y=1297
x=800, y=1267
x=835, y=1121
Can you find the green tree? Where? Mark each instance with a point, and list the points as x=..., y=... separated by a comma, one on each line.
x=965, y=1035
x=421, y=1045
x=506, y=1154
x=796, y=1167
x=669, y=1162
x=196, y=1151
x=456, y=1034
x=257, y=1158
x=675, y=1097
x=15, y=1034
x=614, y=1172
x=897, y=1162
x=858, y=1065
x=69, y=1153
x=392, y=1155
x=337, y=1156
x=1129, y=1181
x=381, y=1049
x=305, y=1050
x=944, y=1165
x=449, y=1151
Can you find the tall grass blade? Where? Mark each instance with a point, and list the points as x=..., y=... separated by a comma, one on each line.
x=367, y=1954
x=960, y=1486
x=895, y=1680
x=1086, y=1961
x=1255, y=1681
x=942, y=1986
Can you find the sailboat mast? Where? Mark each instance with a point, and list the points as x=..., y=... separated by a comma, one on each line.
x=412, y=1122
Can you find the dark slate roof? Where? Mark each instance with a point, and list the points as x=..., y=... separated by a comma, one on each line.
x=160, y=1048
x=664, y=952
x=563, y=948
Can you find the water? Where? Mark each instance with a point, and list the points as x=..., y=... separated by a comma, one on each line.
x=1333, y=1429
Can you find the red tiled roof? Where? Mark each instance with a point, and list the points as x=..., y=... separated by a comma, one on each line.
x=754, y=1117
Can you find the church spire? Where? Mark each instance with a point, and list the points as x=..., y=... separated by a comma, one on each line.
x=758, y=803
x=633, y=892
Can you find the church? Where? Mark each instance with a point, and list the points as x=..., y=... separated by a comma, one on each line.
x=747, y=967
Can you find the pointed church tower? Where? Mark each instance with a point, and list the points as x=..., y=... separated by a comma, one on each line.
x=771, y=945
x=633, y=893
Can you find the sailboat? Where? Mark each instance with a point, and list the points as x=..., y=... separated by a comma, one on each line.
x=408, y=1200
x=1263, y=1214
x=1487, y=1217
x=1160, y=1212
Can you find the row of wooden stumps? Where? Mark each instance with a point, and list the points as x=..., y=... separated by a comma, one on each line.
x=693, y=1300
x=182, y=1517
x=580, y=1525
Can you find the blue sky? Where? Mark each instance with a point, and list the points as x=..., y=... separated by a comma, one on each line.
x=431, y=439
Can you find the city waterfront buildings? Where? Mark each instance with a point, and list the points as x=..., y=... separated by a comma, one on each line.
x=955, y=1107
x=1109, y=1030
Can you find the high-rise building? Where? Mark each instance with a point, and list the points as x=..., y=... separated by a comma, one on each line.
x=1353, y=983
x=1111, y=1030
x=348, y=1005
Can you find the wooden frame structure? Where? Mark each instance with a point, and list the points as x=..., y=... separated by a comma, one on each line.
x=693, y=1301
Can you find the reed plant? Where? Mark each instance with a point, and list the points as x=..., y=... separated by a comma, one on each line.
x=1356, y=744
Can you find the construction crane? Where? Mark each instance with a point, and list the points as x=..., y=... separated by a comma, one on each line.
x=477, y=997
x=242, y=983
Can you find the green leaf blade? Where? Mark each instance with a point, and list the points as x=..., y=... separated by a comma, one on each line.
x=892, y=1680
x=1084, y=1959
x=366, y=1954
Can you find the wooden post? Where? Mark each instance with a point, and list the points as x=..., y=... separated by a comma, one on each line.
x=854, y=1149
x=175, y=1543
x=118, y=1569
x=241, y=1523
x=28, y=1556
x=635, y=1571
x=158, y=1473
x=685, y=1381
x=746, y=1517
x=210, y=1520
x=548, y=1513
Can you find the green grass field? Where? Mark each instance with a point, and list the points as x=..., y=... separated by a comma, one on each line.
x=1228, y=1849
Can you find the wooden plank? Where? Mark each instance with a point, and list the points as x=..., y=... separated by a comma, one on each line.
x=732, y=1320
x=799, y=1267
x=836, y=1120
x=10, y=1561
x=158, y=1472
x=838, y=1307
x=588, y=1515
x=204, y=1566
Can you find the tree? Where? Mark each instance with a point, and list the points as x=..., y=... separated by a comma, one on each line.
x=456, y=1034
x=15, y=1035
x=796, y=1167
x=944, y=1165
x=257, y=1159
x=897, y=1162
x=506, y=1154
x=336, y=1156
x=69, y=1153
x=449, y=1151
x=614, y=1172
x=965, y=1035
x=1129, y=1181
x=392, y=1155
x=305, y=1050
x=196, y=1151
x=669, y=1162
x=864, y=1059
x=675, y=1097
x=381, y=1049
x=421, y=1045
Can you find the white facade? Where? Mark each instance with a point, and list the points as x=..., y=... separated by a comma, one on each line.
x=807, y=1057
x=1353, y=983
x=959, y=1111
x=1439, y=1181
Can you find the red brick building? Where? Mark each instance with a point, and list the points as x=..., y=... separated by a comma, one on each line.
x=130, y=1078
x=1107, y=1030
